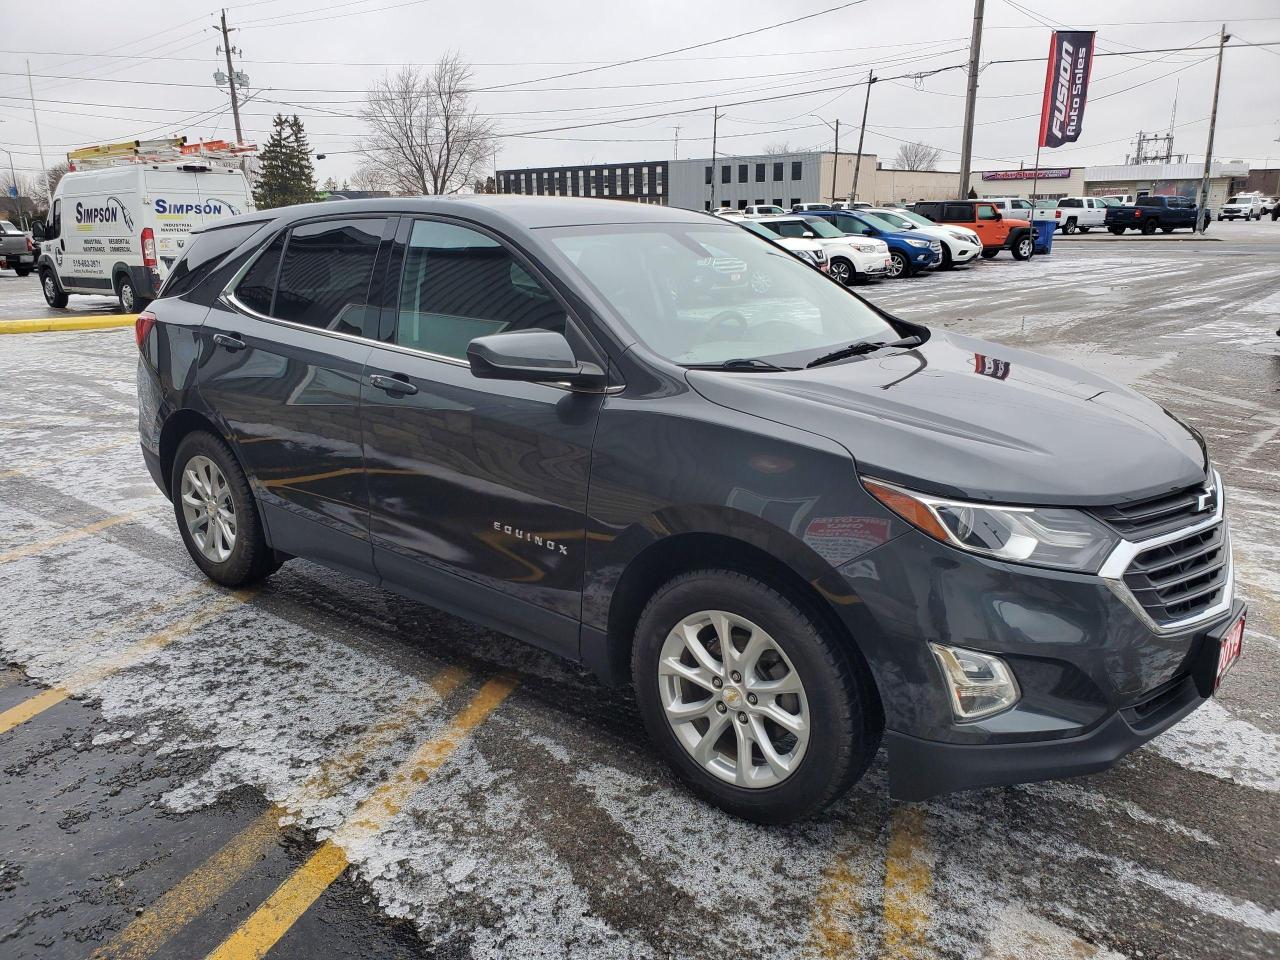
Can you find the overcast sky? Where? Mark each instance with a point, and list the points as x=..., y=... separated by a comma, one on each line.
x=315, y=58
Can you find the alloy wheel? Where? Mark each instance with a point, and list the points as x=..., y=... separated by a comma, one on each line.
x=50, y=288
x=840, y=271
x=208, y=509
x=1026, y=247
x=897, y=265
x=126, y=296
x=733, y=699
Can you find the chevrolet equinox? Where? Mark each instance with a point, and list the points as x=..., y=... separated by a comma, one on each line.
x=656, y=444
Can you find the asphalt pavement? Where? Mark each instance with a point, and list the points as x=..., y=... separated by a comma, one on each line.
x=319, y=768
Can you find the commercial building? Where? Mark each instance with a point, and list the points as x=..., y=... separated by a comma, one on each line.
x=1135, y=179
x=643, y=182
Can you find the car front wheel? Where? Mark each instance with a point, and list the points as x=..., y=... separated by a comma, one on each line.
x=842, y=270
x=49, y=287
x=750, y=699
x=898, y=265
x=1024, y=248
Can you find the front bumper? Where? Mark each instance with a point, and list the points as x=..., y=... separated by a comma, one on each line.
x=963, y=252
x=920, y=769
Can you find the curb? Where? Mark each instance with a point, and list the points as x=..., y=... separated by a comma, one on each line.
x=1168, y=238
x=56, y=324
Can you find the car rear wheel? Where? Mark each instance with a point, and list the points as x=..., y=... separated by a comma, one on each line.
x=1117, y=231
x=1084, y=229
x=898, y=265
x=216, y=513
x=947, y=262
x=1024, y=247
x=52, y=295
x=842, y=270
x=130, y=300
x=1069, y=226
x=22, y=271
x=1148, y=228
x=752, y=702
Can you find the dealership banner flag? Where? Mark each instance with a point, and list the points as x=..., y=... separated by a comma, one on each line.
x=1066, y=85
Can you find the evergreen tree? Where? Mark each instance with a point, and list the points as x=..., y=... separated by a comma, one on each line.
x=286, y=175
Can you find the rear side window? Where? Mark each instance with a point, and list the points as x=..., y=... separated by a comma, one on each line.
x=258, y=285
x=957, y=211
x=324, y=278
x=459, y=284
x=1148, y=201
x=205, y=252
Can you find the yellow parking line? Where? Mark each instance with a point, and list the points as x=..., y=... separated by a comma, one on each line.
x=17, y=553
x=47, y=324
x=75, y=455
x=833, y=937
x=907, y=884
x=261, y=931
x=127, y=657
x=201, y=888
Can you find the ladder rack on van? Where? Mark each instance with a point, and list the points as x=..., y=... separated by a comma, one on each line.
x=173, y=152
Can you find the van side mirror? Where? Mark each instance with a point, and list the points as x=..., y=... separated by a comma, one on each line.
x=531, y=356
x=37, y=230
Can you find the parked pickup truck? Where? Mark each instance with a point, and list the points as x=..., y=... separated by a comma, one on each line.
x=1150, y=214
x=17, y=252
x=1081, y=213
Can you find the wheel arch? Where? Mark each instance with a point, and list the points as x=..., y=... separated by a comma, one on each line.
x=177, y=426
x=680, y=553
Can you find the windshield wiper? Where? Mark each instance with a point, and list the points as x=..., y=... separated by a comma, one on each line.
x=861, y=347
x=738, y=363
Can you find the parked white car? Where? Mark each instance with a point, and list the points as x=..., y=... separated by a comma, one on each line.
x=959, y=244
x=802, y=207
x=1119, y=199
x=1246, y=205
x=1020, y=208
x=1081, y=213
x=850, y=258
x=810, y=251
x=1269, y=204
x=731, y=213
x=762, y=210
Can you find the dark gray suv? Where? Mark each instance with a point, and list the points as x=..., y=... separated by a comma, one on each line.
x=661, y=446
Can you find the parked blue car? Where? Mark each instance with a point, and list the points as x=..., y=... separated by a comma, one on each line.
x=908, y=251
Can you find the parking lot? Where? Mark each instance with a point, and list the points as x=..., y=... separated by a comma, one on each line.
x=320, y=766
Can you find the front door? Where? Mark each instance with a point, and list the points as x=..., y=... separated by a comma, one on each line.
x=478, y=488
x=988, y=225
x=281, y=357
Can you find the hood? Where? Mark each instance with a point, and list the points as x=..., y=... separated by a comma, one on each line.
x=971, y=419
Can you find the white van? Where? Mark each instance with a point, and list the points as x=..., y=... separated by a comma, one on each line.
x=119, y=229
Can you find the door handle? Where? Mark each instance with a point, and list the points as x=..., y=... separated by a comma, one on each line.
x=397, y=385
x=230, y=341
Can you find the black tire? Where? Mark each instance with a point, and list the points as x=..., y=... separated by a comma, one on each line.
x=1117, y=231
x=1024, y=247
x=49, y=287
x=130, y=300
x=1084, y=229
x=990, y=254
x=1219, y=218
x=1148, y=227
x=22, y=271
x=251, y=558
x=900, y=267
x=1070, y=226
x=844, y=712
x=947, y=262
x=842, y=271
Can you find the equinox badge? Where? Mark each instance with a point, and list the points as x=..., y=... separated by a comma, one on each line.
x=553, y=545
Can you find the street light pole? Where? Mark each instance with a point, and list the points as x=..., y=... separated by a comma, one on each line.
x=970, y=98
x=715, y=121
x=835, y=165
x=1202, y=201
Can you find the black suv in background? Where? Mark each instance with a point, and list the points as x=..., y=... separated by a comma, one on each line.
x=796, y=524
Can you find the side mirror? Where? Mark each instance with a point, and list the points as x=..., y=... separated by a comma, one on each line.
x=531, y=356
x=37, y=231
x=999, y=215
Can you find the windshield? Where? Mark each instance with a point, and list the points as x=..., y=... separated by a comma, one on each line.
x=7, y=227
x=704, y=294
x=916, y=218
x=876, y=221
x=896, y=220
x=1242, y=200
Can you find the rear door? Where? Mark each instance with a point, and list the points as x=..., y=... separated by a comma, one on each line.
x=281, y=358
x=478, y=488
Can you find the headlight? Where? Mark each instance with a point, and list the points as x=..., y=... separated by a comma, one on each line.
x=963, y=237
x=813, y=256
x=1043, y=536
x=865, y=247
x=979, y=684
x=918, y=243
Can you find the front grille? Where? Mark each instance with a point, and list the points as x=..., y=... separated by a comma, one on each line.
x=1142, y=519
x=1178, y=580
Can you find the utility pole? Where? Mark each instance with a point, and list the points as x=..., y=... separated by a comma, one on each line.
x=858, y=160
x=44, y=169
x=836, y=163
x=677, y=150
x=971, y=98
x=1202, y=203
x=715, y=121
x=231, y=78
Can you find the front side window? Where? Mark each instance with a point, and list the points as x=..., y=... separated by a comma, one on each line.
x=459, y=284
x=986, y=211
x=324, y=277
x=693, y=292
x=709, y=172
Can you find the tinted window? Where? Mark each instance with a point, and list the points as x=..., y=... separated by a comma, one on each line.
x=324, y=279
x=459, y=284
x=259, y=283
x=742, y=173
x=759, y=173
x=206, y=252
x=796, y=169
x=1148, y=201
x=1069, y=202
x=7, y=227
x=777, y=173
x=708, y=175
x=957, y=211
x=726, y=174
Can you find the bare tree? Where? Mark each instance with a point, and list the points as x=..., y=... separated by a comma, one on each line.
x=777, y=149
x=917, y=156
x=425, y=135
x=53, y=176
x=368, y=178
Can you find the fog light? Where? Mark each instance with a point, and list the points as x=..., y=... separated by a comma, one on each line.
x=979, y=683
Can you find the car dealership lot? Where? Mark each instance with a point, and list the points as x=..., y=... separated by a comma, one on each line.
x=219, y=745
